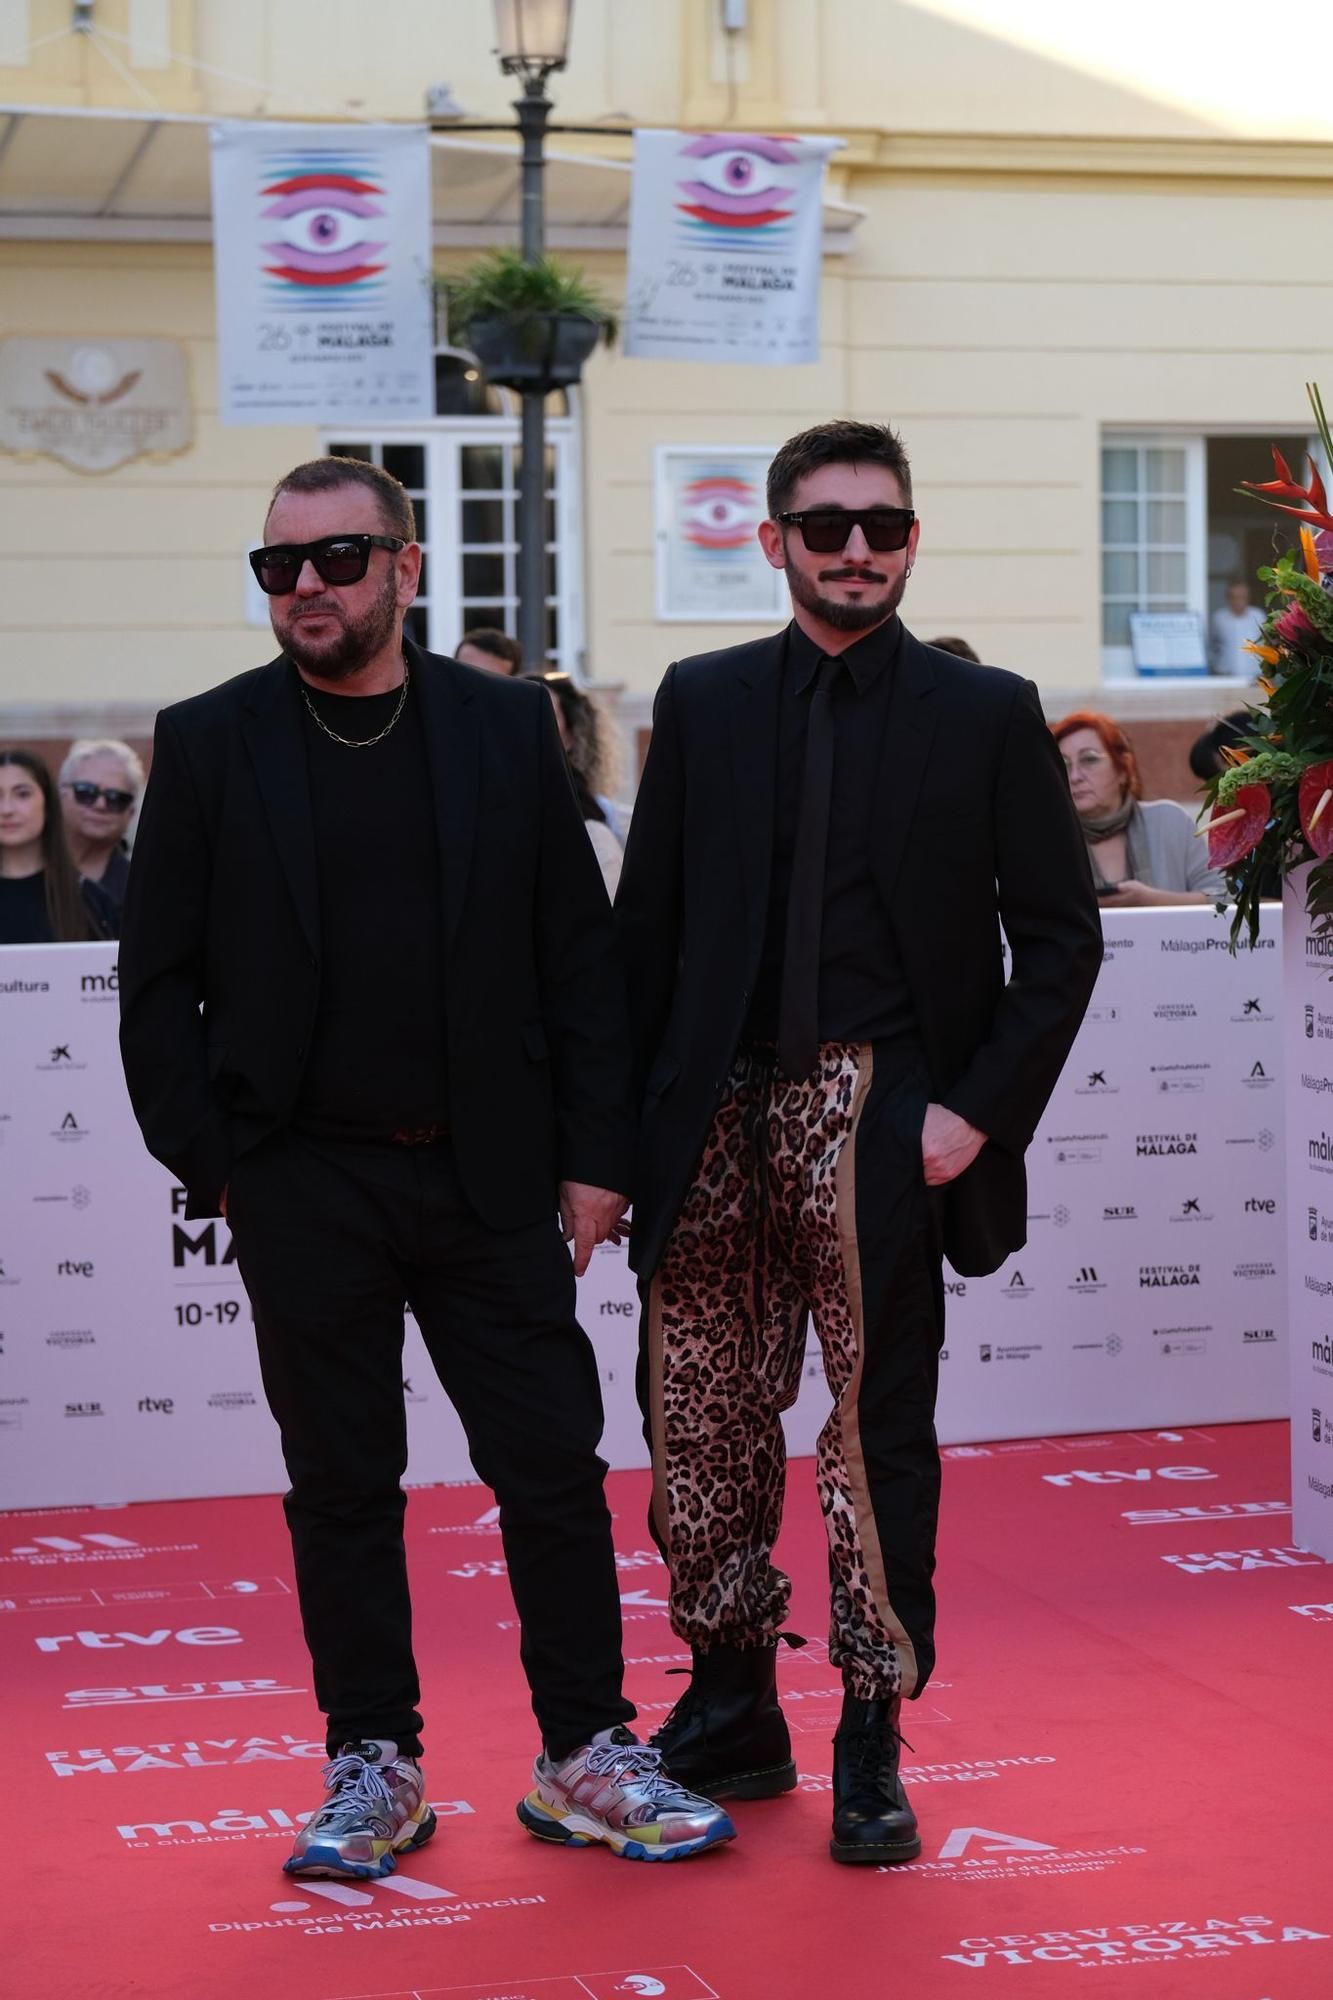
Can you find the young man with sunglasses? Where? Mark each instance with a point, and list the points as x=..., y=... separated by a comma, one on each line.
x=838, y=1089
x=373, y=1014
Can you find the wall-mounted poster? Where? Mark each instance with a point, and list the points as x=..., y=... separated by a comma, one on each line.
x=725, y=239
x=709, y=502
x=322, y=262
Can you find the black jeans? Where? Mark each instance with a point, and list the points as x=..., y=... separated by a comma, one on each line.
x=332, y=1240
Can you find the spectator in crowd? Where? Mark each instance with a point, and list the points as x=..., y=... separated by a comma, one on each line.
x=589, y=739
x=1206, y=758
x=1142, y=851
x=1234, y=625
x=42, y=900
x=101, y=783
x=959, y=647
x=490, y=649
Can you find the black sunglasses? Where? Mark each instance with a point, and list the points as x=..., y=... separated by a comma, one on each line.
x=827, y=530
x=337, y=559
x=88, y=795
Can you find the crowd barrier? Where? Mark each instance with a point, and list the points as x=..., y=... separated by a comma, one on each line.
x=1150, y=1293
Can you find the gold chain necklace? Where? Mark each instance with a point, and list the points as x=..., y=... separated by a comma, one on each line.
x=359, y=742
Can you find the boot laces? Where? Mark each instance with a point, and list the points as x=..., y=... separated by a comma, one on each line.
x=360, y=1791
x=870, y=1748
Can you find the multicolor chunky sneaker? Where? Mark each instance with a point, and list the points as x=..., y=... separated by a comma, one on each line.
x=615, y=1790
x=376, y=1809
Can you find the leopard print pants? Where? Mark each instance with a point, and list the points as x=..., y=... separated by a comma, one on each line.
x=767, y=1230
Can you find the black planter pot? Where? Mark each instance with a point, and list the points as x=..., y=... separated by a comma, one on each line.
x=535, y=352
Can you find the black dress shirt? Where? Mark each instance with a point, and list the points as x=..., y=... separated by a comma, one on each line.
x=863, y=992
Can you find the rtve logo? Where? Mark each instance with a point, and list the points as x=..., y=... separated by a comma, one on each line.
x=1139, y=1476
x=101, y=1642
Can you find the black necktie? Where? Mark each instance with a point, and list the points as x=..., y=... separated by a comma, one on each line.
x=798, y=1010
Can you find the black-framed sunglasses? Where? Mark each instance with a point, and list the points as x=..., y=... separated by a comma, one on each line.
x=827, y=530
x=88, y=794
x=337, y=559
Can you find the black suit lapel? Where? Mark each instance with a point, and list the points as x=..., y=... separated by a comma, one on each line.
x=753, y=723
x=272, y=726
x=909, y=732
x=452, y=734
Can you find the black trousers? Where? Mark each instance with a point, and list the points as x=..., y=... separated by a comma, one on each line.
x=332, y=1240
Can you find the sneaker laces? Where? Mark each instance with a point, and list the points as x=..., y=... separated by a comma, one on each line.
x=636, y=1763
x=360, y=1789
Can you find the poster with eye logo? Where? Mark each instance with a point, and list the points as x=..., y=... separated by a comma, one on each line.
x=724, y=247
x=322, y=261
x=709, y=501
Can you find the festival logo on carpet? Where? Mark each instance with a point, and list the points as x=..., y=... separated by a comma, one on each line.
x=327, y=240
x=211, y=1753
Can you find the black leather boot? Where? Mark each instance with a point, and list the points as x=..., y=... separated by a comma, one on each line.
x=872, y=1821
x=726, y=1737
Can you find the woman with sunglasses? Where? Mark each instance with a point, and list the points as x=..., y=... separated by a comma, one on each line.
x=42, y=900
x=101, y=783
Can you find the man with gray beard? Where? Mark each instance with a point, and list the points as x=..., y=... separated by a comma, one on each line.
x=372, y=1013
x=837, y=1088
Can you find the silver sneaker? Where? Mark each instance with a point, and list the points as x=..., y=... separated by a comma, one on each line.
x=614, y=1790
x=376, y=1809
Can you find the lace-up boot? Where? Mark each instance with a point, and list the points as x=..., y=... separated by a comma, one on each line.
x=872, y=1821
x=614, y=1790
x=376, y=1809
x=726, y=1735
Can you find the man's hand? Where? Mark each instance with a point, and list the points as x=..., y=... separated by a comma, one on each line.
x=589, y=1216
x=948, y=1145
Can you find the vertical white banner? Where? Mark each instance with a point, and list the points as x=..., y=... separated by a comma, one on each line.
x=725, y=240
x=322, y=265
x=1308, y=1036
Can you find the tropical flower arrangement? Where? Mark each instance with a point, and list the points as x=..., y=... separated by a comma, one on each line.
x=1272, y=808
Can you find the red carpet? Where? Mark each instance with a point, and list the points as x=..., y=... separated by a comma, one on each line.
x=1122, y=1769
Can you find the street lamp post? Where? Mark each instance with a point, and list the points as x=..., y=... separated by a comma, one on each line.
x=532, y=40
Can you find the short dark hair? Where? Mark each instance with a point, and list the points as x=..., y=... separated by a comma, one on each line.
x=490, y=639
x=324, y=475
x=957, y=646
x=845, y=441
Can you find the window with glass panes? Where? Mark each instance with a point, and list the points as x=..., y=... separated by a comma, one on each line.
x=463, y=473
x=1152, y=535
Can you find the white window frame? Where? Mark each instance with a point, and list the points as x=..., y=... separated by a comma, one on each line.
x=1118, y=661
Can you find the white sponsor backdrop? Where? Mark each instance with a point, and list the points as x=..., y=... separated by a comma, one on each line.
x=1308, y=1038
x=1150, y=1294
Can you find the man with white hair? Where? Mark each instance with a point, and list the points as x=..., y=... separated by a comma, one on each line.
x=101, y=783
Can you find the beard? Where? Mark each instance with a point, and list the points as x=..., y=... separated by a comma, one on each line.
x=840, y=613
x=361, y=637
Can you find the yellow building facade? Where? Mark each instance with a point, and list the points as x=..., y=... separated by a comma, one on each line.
x=1079, y=262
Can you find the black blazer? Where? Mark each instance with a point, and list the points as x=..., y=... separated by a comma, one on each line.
x=220, y=949
x=973, y=824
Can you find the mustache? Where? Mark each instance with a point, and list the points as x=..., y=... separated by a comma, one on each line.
x=851, y=575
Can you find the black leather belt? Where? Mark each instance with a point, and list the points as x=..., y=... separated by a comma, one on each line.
x=419, y=1135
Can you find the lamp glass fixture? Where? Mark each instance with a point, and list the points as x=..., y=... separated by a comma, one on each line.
x=532, y=36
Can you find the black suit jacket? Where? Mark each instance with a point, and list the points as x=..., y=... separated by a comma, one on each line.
x=973, y=824
x=220, y=947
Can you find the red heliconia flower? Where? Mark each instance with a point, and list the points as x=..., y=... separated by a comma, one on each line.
x=1314, y=510
x=1315, y=797
x=1231, y=843
x=1293, y=625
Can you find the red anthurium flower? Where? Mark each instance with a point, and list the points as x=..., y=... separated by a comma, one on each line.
x=1315, y=799
x=1230, y=843
x=1274, y=492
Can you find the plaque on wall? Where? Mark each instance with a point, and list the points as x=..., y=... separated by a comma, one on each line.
x=93, y=404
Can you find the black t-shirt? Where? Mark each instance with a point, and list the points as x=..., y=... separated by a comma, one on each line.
x=377, y=1060
x=863, y=991
x=23, y=917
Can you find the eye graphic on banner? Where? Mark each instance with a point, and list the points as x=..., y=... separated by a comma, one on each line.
x=737, y=187
x=720, y=512
x=325, y=213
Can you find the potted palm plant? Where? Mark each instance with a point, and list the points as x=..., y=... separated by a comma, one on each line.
x=531, y=326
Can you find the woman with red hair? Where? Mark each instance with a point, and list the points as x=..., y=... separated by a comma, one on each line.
x=1142, y=851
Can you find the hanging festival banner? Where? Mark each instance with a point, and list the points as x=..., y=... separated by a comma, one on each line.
x=724, y=247
x=322, y=263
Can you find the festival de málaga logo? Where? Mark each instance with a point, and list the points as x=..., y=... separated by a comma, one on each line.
x=719, y=512
x=325, y=208
x=735, y=195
